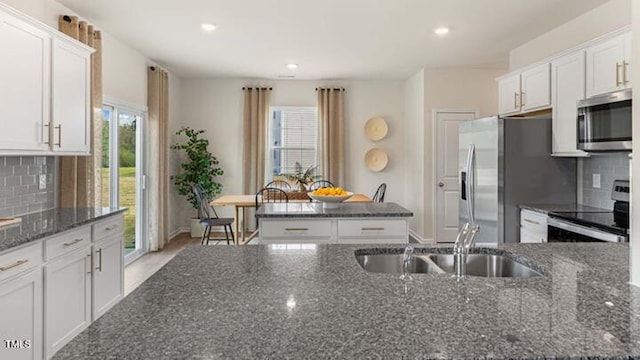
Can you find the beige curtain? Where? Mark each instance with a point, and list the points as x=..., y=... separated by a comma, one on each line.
x=80, y=183
x=256, y=114
x=331, y=135
x=158, y=181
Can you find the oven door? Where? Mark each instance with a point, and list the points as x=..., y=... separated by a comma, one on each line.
x=565, y=231
x=604, y=122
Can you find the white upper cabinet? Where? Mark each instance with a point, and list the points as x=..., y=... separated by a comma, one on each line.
x=24, y=85
x=509, y=94
x=536, y=88
x=608, y=65
x=44, y=89
x=567, y=87
x=525, y=91
x=71, y=74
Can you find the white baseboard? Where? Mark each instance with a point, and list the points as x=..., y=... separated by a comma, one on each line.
x=178, y=231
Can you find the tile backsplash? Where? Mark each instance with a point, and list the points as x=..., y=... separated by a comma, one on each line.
x=20, y=188
x=610, y=167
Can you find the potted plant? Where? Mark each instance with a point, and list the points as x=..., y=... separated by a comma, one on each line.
x=200, y=167
x=303, y=178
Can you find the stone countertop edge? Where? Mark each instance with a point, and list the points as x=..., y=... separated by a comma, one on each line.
x=562, y=208
x=345, y=210
x=41, y=224
x=533, y=208
x=316, y=302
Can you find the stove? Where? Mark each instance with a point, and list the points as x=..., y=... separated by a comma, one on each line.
x=605, y=226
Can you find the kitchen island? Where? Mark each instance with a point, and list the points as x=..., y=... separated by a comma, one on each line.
x=315, y=301
x=347, y=223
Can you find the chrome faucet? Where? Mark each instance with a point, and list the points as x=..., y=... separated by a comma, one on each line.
x=464, y=241
x=406, y=263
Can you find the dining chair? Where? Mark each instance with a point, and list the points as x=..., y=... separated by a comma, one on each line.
x=271, y=195
x=209, y=217
x=379, y=195
x=320, y=184
x=279, y=184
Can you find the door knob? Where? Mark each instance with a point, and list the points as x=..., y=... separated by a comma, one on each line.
x=441, y=184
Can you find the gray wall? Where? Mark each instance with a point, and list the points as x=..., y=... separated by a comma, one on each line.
x=19, y=190
x=610, y=167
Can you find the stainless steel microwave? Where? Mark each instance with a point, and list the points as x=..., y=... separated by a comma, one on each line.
x=604, y=122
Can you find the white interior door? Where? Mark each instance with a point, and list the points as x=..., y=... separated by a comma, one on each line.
x=446, y=180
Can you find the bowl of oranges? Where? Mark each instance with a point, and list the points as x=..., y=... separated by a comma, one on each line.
x=331, y=197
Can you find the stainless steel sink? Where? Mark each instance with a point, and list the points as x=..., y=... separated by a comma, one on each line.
x=486, y=265
x=392, y=263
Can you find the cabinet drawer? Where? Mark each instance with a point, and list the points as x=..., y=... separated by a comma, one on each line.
x=533, y=221
x=108, y=227
x=20, y=260
x=528, y=237
x=372, y=228
x=295, y=228
x=67, y=242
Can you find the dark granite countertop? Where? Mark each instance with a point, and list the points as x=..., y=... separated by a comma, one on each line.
x=312, y=210
x=547, y=208
x=314, y=301
x=45, y=223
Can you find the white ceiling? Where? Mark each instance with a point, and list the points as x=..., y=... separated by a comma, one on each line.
x=330, y=39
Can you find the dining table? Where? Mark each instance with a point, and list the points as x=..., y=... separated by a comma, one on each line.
x=243, y=202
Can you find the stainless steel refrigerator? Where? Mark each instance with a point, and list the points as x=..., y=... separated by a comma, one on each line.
x=505, y=162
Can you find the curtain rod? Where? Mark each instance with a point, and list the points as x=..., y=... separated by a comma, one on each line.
x=256, y=88
x=336, y=89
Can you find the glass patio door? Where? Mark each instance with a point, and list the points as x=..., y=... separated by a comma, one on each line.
x=123, y=173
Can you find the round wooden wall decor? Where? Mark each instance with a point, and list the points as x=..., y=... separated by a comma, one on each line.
x=376, y=128
x=376, y=159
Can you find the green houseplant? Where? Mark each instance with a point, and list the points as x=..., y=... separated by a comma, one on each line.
x=303, y=178
x=200, y=167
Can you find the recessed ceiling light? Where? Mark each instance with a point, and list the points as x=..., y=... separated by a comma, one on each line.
x=292, y=66
x=441, y=31
x=208, y=27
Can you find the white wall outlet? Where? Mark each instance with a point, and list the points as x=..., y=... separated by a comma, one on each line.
x=42, y=181
x=596, y=181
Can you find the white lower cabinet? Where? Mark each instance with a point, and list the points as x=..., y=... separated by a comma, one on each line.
x=108, y=275
x=52, y=289
x=21, y=317
x=372, y=231
x=334, y=231
x=533, y=227
x=67, y=298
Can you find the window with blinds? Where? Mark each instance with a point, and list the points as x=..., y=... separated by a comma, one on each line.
x=292, y=139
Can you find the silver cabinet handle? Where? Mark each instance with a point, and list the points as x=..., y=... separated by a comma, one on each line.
x=531, y=221
x=109, y=228
x=75, y=241
x=515, y=100
x=624, y=73
x=59, y=128
x=296, y=229
x=99, y=267
x=17, y=263
x=440, y=184
x=618, y=83
x=372, y=229
x=521, y=98
x=90, y=264
x=48, y=126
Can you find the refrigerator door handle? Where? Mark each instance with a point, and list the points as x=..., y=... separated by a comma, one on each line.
x=470, y=179
x=463, y=185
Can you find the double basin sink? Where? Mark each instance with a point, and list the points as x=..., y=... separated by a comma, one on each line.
x=482, y=265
